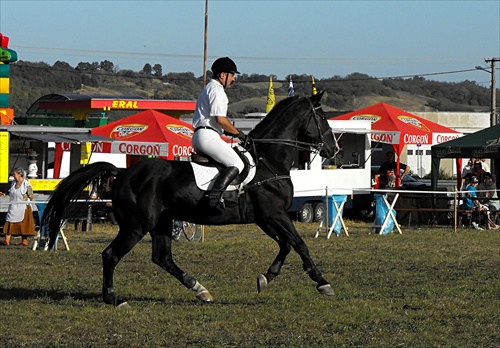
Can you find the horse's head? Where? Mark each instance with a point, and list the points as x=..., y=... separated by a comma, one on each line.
x=297, y=121
x=317, y=130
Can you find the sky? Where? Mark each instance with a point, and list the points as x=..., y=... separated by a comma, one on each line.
x=320, y=38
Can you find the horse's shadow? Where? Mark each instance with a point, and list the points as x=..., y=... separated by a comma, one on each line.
x=23, y=294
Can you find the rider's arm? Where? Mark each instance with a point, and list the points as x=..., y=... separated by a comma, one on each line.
x=229, y=129
x=226, y=125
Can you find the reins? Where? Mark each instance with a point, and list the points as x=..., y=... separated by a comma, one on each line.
x=301, y=145
x=274, y=178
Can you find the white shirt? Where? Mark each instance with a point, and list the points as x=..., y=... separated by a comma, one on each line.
x=15, y=213
x=485, y=166
x=211, y=102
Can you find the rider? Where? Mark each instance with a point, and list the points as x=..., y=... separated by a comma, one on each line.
x=210, y=122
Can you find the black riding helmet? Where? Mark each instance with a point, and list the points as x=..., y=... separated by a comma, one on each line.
x=224, y=64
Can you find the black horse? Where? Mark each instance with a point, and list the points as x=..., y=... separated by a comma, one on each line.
x=150, y=194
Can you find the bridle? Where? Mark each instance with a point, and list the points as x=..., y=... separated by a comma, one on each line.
x=301, y=145
x=322, y=135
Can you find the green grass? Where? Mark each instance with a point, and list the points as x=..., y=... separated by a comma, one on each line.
x=429, y=287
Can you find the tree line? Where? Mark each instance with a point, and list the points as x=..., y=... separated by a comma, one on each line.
x=32, y=80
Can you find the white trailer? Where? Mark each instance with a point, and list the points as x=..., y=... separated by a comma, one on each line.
x=348, y=173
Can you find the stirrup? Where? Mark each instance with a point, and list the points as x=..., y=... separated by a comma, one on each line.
x=215, y=200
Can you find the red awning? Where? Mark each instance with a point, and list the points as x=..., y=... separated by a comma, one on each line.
x=399, y=128
x=147, y=133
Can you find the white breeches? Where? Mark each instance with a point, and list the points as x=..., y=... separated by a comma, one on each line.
x=209, y=142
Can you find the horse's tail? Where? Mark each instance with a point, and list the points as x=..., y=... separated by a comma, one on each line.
x=69, y=189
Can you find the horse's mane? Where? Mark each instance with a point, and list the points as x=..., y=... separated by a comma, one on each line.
x=261, y=128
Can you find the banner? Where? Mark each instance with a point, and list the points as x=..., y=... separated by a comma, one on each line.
x=44, y=184
x=4, y=157
x=271, y=98
x=133, y=148
x=314, y=91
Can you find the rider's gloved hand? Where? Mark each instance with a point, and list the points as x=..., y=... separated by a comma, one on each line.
x=242, y=136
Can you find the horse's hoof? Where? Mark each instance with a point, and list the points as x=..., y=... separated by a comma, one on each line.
x=326, y=290
x=204, y=296
x=123, y=305
x=261, y=282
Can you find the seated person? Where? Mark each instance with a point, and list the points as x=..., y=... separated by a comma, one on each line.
x=103, y=191
x=466, y=174
x=471, y=202
x=466, y=180
x=487, y=192
x=106, y=194
x=478, y=170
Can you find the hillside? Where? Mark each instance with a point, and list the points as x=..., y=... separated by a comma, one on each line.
x=30, y=81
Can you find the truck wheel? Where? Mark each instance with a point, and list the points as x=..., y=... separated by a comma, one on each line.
x=306, y=213
x=319, y=211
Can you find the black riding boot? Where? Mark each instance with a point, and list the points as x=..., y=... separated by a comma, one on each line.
x=225, y=177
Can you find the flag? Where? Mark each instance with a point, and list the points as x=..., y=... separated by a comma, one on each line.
x=271, y=99
x=291, y=92
x=314, y=91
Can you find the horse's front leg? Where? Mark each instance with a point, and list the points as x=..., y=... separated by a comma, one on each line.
x=275, y=269
x=162, y=256
x=281, y=228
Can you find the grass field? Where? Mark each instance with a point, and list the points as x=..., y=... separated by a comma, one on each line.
x=424, y=288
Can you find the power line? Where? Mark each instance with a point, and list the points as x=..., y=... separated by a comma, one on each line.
x=102, y=73
x=104, y=53
x=246, y=58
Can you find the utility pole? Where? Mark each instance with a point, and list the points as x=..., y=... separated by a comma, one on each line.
x=205, y=44
x=495, y=166
x=493, y=111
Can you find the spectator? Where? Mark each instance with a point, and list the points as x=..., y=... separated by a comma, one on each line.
x=485, y=165
x=465, y=171
x=487, y=191
x=106, y=194
x=478, y=171
x=471, y=202
x=466, y=180
x=388, y=169
x=19, y=219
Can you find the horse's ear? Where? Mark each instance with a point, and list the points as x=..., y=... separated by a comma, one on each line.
x=316, y=98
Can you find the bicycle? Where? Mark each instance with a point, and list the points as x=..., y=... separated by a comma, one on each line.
x=192, y=232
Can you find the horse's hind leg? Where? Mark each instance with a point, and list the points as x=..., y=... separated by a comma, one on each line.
x=111, y=256
x=162, y=256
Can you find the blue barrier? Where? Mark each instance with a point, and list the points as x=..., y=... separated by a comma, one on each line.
x=381, y=213
x=334, y=216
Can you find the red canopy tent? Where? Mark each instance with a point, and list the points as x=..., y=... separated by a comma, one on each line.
x=399, y=128
x=147, y=133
